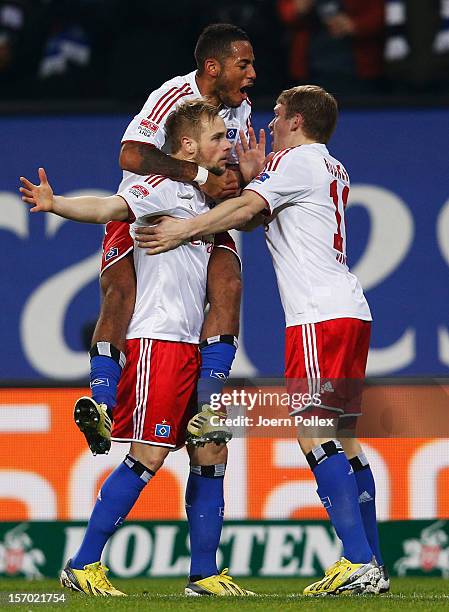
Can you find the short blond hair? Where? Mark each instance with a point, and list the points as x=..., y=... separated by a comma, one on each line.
x=317, y=107
x=186, y=120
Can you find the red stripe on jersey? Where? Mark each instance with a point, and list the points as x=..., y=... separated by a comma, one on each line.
x=276, y=163
x=172, y=103
x=159, y=102
x=164, y=99
x=155, y=179
x=268, y=166
x=156, y=183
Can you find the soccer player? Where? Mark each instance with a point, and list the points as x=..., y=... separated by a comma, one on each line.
x=304, y=190
x=161, y=372
x=224, y=58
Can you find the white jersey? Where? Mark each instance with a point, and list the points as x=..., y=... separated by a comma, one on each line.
x=171, y=287
x=306, y=191
x=149, y=125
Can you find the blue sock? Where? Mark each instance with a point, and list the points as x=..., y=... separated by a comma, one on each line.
x=367, y=502
x=337, y=489
x=205, y=510
x=117, y=496
x=217, y=355
x=106, y=364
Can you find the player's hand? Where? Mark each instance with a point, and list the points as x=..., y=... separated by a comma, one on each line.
x=166, y=234
x=251, y=154
x=40, y=196
x=221, y=187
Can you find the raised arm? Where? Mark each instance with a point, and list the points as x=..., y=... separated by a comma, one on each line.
x=88, y=209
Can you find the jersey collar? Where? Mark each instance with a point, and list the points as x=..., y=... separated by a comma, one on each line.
x=191, y=78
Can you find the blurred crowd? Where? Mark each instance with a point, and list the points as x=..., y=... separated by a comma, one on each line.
x=122, y=49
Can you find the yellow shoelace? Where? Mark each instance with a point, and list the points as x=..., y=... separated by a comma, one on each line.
x=225, y=577
x=97, y=575
x=333, y=567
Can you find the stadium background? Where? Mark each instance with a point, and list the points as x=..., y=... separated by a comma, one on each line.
x=392, y=143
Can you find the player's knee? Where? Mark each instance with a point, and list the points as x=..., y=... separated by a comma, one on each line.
x=351, y=446
x=225, y=294
x=119, y=292
x=209, y=454
x=307, y=444
x=118, y=301
x=152, y=457
x=118, y=284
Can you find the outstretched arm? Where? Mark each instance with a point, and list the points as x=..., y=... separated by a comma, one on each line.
x=89, y=209
x=169, y=233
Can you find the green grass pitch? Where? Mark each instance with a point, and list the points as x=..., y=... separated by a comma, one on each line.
x=426, y=594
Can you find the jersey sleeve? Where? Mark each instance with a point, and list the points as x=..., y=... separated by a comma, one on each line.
x=145, y=201
x=283, y=181
x=149, y=125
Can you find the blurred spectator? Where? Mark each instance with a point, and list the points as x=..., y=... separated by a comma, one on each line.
x=23, y=31
x=417, y=45
x=77, y=50
x=154, y=42
x=336, y=43
x=260, y=20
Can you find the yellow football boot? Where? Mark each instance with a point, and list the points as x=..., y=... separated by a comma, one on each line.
x=206, y=426
x=221, y=584
x=94, y=422
x=91, y=580
x=346, y=578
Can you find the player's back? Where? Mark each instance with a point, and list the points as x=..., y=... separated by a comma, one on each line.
x=308, y=190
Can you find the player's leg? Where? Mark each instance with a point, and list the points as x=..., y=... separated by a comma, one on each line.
x=219, y=336
x=205, y=513
x=93, y=415
x=205, y=507
x=118, y=494
x=337, y=490
x=366, y=489
x=311, y=352
x=153, y=399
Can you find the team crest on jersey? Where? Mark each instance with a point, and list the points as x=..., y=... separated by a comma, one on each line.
x=113, y=252
x=262, y=177
x=147, y=128
x=231, y=134
x=139, y=191
x=162, y=430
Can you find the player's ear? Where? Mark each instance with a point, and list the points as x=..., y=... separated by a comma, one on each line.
x=212, y=67
x=297, y=121
x=189, y=145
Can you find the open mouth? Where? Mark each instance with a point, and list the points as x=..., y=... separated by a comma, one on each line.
x=244, y=90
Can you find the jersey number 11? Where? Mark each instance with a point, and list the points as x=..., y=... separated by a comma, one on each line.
x=333, y=193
